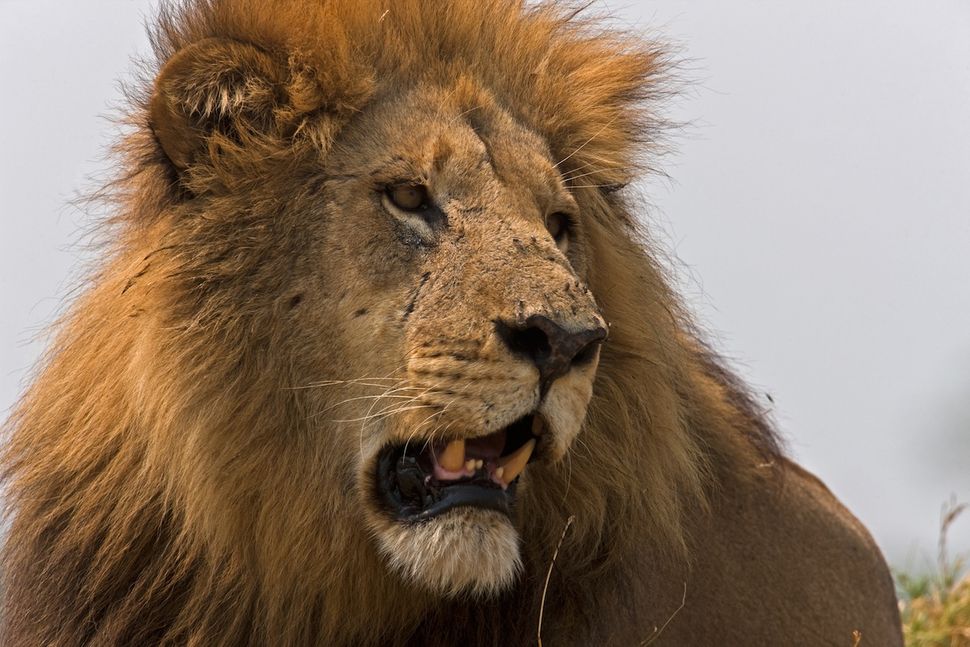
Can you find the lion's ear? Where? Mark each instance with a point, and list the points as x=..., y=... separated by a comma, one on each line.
x=214, y=92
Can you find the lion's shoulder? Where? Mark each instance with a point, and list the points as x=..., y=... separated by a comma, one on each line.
x=779, y=556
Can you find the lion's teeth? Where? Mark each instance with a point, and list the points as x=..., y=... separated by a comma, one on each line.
x=499, y=471
x=470, y=465
x=538, y=425
x=513, y=464
x=453, y=456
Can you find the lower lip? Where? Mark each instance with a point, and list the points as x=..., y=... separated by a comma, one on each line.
x=411, y=496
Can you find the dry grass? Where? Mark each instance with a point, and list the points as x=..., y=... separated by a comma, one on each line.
x=936, y=608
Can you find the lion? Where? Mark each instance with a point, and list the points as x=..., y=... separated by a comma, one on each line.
x=378, y=355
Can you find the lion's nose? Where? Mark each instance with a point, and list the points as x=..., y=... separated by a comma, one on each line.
x=553, y=348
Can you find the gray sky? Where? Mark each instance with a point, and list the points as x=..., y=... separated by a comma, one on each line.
x=819, y=209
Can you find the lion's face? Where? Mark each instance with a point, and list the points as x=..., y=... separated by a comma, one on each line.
x=451, y=327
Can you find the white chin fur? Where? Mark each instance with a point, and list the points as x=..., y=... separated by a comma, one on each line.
x=463, y=551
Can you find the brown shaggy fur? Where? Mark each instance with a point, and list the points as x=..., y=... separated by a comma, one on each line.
x=172, y=477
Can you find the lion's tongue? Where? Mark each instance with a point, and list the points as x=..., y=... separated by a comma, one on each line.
x=463, y=458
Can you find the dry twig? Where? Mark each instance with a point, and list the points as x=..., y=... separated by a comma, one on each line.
x=545, y=588
x=657, y=632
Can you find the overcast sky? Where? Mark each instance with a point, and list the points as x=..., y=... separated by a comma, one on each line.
x=818, y=210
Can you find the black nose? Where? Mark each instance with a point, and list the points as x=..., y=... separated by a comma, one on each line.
x=552, y=348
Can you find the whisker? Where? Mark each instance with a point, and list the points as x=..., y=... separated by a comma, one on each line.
x=595, y=135
x=363, y=425
x=439, y=413
x=364, y=381
x=389, y=393
x=465, y=112
x=368, y=397
x=382, y=414
x=576, y=177
x=569, y=477
x=571, y=172
x=428, y=389
x=417, y=428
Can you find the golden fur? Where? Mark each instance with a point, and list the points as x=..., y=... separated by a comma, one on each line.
x=190, y=465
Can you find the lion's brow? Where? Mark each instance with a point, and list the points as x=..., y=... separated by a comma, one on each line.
x=476, y=122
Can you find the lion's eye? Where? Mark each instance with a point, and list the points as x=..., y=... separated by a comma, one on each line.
x=558, y=226
x=408, y=197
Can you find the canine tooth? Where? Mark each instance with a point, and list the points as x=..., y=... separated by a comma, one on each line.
x=513, y=465
x=453, y=457
x=499, y=471
x=538, y=425
x=470, y=465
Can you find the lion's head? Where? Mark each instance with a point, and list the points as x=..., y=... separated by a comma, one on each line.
x=444, y=334
x=377, y=322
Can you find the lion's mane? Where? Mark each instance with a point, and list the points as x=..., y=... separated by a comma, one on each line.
x=114, y=536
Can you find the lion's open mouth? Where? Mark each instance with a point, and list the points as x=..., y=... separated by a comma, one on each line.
x=419, y=481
